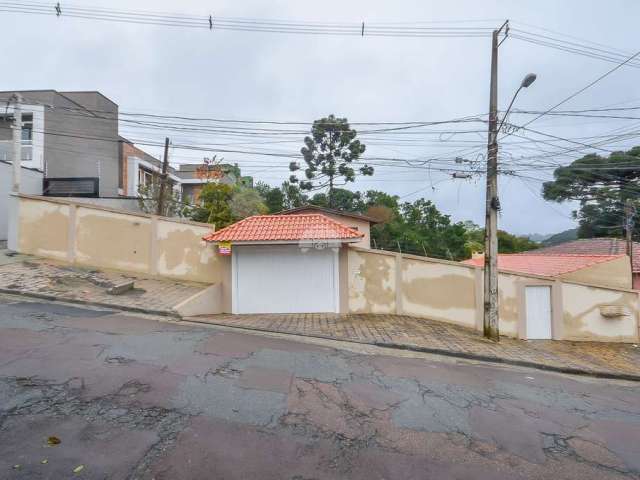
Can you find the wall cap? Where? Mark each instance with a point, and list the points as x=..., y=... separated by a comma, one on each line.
x=62, y=201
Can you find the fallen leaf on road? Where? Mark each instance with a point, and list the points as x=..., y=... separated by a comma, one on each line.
x=53, y=440
x=44, y=460
x=78, y=469
x=17, y=467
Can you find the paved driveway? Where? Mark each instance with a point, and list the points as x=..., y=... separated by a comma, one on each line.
x=130, y=397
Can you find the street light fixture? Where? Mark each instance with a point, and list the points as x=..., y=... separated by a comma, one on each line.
x=526, y=82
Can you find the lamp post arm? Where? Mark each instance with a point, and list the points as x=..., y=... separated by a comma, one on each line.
x=508, y=109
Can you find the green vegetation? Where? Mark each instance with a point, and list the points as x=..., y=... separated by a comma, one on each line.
x=602, y=186
x=329, y=154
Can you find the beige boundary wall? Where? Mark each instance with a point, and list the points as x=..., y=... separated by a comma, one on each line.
x=390, y=283
x=95, y=236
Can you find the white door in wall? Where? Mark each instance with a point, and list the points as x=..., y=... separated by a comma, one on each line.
x=284, y=279
x=538, y=310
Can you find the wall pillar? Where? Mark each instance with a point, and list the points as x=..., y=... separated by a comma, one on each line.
x=479, y=296
x=71, y=235
x=153, y=246
x=399, y=309
x=13, y=217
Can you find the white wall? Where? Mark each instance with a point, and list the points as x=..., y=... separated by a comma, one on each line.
x=30, y=182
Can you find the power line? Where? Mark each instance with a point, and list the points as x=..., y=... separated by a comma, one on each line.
x=215, y=23
x=586, y=87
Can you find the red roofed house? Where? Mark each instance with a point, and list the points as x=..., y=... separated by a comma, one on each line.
x=355, y=221
x=596, y=246
x=608, y=270
x=287, y=263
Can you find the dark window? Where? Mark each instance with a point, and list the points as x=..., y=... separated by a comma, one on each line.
x=71, y=187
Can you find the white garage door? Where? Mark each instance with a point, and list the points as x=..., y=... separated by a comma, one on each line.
x=284, y=279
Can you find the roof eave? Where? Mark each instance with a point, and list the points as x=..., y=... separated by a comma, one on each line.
x=286, y=242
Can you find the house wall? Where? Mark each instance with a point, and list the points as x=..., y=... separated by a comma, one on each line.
x=614, y=273
x=94, y=155
x=108, y=238
x=76, y=143
x=391, y=283
x=361, y=226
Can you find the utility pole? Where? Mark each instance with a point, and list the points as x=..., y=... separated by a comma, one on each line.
x=629, y=213
x=160, y=210
x=13, y=234
x=490, y=320
x=17, y=142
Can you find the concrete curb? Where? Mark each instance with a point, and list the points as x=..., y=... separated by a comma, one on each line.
x=78, y=301
x=447, y=353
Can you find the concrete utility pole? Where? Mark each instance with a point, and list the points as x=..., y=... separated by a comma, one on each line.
x=490, y=320
x=629, y=213
x=13, y=234
x=17, y=142
x=160, y=210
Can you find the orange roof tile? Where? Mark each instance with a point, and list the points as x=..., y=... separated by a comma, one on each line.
x=593, y=246
x=545, y=265
x=264, y=228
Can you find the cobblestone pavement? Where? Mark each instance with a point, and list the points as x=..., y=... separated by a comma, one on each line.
x=129, y=397
x=31, y=275
x=398, y=330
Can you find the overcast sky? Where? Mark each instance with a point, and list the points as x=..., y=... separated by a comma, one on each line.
x=262, y=76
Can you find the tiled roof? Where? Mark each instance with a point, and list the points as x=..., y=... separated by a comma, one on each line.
x=264, y=228
x=545, y=265
x=593, y=246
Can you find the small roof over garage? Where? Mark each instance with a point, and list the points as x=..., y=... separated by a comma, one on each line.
x=285, y=229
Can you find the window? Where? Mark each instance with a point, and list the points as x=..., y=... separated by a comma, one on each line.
x=27, y=128
x=145, y=178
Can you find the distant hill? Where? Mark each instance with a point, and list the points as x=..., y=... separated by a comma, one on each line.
x=561, y=237
x=537, y=237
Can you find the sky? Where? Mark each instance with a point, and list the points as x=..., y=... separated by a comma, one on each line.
x=241, y=75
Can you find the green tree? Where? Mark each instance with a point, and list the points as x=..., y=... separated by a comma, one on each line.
x=329, y=154
x=293, y=197
x=507, y=242
x=343, y=199
x=214, y=205
x=602, y=186
x=246, y=202
x=273, y=197
x=148, y=196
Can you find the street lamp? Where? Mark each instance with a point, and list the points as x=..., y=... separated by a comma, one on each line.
x=490, y=319
x=526, y=82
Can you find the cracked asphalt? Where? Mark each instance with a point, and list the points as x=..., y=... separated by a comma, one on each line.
x=131, y=397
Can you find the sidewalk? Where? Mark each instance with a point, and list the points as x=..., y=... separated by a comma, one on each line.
x=36, y=277
x=611, y=360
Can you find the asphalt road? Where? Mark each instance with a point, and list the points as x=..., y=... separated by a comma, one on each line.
x=132, y=397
